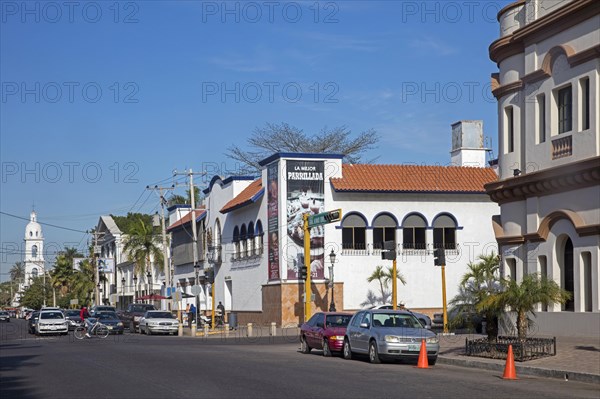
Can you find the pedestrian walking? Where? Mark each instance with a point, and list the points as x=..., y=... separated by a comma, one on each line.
x=191, y=315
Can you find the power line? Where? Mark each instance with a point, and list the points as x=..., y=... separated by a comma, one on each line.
x=42, y=223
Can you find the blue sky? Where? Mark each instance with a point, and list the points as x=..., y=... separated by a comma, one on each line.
x=100, y=99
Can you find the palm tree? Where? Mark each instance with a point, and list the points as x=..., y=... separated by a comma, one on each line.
x=384, y=277
x=17, y=272
x=83, y=282
x=62, y=273
x=522, y=298
x=141, y=245
x=481, y=280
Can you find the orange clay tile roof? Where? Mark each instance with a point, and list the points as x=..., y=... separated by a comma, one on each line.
x=186, y=219
x=413, y=178
x=248, y=195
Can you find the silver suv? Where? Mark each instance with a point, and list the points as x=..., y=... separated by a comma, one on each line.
x=388, y=334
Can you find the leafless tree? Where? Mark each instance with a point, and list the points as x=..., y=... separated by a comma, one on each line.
x=273, y=138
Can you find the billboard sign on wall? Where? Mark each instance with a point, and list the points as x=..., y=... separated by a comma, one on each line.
x=305, y=195
x=273, y=220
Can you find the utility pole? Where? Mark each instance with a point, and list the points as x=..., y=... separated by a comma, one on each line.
x=95, y=266
x=190, y=174
x=163, y=201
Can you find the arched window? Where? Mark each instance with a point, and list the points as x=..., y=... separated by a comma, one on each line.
x=384, y=229
x=568, y=275
x=250, y=239
x=34, y=272
x=413, y=232
x=34, y=251
x=243, y=241
x=236, y=242
x=258, y=238
x=354, y=234
x=444, y=232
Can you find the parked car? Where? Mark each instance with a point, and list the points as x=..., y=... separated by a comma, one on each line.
x=4, y=316
x=111, y=321
x=423, y=318
x=158, y=322
x=388, y=334
x=72, y=316
x=460, y=317
x=101, y=308
x=135, y=311
x=324, y=330
x=52, y=322
x=32, y=321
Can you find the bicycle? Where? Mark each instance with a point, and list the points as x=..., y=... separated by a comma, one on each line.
x=98, y=329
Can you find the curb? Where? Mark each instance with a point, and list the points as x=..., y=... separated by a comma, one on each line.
x=525, y=370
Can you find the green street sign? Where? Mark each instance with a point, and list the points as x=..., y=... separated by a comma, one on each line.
x=324, y=218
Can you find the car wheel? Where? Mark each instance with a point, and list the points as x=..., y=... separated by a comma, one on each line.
x=347, y=351
x=148, y=332
x=304, y=348
x=432, y=360
x=326, y=350
x=373, y=353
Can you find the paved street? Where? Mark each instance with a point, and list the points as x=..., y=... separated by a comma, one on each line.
x=133, y=366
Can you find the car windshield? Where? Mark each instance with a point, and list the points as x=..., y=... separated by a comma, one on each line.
x=142, y=308
x=395, y=320
x=107, y=315
x=4, y=313
x=72, y=313
x=159, y=315
x=52, y=315
x=337, y=320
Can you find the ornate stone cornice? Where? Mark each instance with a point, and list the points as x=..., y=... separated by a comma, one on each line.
x=572, y=176
x=563, y=18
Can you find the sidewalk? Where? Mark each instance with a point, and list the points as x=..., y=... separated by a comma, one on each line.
x=577, y=358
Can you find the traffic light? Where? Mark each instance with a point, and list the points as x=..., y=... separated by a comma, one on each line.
x=303, y=272
x=439, y=257
x=333, y=216
x=209, y=276
x=389, y=250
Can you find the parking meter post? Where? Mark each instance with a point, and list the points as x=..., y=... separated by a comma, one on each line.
x=194, y=328
x=180, y=329
x=206, y=330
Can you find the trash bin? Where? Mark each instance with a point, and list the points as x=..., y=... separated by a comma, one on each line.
x=233, y=320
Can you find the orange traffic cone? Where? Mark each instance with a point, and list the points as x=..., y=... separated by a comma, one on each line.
x=423, y=363
x=509, y=370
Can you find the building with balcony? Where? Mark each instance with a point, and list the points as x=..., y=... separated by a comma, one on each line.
x=547, y=87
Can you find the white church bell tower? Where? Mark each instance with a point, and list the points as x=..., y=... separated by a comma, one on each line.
x=34, y=250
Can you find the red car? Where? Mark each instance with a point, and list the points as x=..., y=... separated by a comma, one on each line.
x=325, y=330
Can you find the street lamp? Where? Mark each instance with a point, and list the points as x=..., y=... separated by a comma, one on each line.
x=149, y=277
x=332, y=259
x=134, y=287
x=123, y=292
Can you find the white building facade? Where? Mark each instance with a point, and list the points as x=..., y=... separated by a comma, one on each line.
x=120, y=284
x=547, y=89
x=253, y=236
